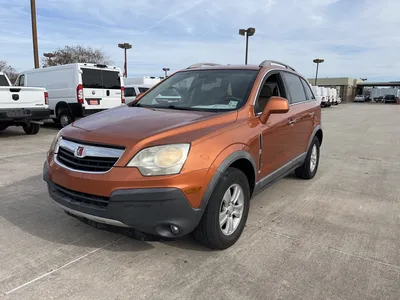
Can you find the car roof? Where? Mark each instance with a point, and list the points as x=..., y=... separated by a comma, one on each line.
x=266, y=65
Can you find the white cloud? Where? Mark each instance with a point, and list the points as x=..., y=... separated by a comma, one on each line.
x=356, y=38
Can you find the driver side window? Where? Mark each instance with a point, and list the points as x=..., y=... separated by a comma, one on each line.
x=271, y=87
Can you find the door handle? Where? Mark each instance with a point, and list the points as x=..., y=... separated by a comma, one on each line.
x=291, y=122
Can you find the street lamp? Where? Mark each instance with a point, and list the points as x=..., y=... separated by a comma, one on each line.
x=364, y=79
x=317, y=61
x=34, y=34
x=125, y=46
x=247, y=32
x=165, y=71
x=49, y=55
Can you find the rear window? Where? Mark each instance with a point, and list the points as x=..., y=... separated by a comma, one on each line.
x=3, y=81
x=130, y=92
x=100, y=79
x=143, y=89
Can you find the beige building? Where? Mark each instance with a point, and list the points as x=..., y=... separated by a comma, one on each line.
x=345, y=86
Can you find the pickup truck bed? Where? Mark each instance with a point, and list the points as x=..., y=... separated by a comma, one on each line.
x=22, y=106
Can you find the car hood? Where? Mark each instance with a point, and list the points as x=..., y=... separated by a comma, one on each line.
x=127, y=126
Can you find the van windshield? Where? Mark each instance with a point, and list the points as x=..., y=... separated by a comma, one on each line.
x=100, y=79
x=206, y=90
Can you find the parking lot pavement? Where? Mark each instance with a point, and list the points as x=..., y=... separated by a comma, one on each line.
x=334, y=237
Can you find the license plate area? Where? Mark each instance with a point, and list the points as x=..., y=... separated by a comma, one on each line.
x=18, y=113
x=94, y=102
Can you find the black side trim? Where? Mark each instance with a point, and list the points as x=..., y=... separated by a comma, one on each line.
x=221, y=169
x=280, y=173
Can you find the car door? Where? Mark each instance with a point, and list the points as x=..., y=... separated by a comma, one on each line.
x=300, y=114
x=276, y=135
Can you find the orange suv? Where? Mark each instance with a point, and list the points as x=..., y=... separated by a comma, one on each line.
x=191, y=162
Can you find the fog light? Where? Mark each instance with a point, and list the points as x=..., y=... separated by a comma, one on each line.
x=174, y=229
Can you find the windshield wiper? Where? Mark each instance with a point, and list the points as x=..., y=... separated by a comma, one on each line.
x=177, y=107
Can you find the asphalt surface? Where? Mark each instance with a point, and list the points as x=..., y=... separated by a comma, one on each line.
x=334, y=237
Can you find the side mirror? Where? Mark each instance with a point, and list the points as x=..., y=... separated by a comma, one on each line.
x=275, y=105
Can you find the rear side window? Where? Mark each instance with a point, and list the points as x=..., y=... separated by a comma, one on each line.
x=3, y=81
x=21, y=80
x=295, y=87
x=307, y=89
x=100, y=79
x=130, y=92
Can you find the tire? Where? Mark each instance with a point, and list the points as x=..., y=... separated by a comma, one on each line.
x=64, y=117
x=31, y=128
x=3, y=127
x=310, y=165
x=209, y=232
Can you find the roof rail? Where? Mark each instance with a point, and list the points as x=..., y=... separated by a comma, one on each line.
x=199, y=65
x=266, y=63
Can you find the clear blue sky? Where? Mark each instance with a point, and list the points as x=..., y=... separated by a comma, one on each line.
x=357, y=38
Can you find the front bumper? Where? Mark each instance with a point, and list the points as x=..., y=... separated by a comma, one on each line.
x=24, y=114
x=150, y=210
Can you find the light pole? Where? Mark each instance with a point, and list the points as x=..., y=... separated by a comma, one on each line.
x=125, y=46
x=34, y=35
x=166, y=72
x=317, y=61
x=247, y=32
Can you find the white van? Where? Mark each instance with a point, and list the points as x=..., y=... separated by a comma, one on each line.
x=77, y=90
x=325, y=97
x=335, y=97
x=136, y=86
x=318, y=95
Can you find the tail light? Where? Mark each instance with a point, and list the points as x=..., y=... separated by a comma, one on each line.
x=323, y=98
x=79, y=93
x=122, y=94
x=46, y=98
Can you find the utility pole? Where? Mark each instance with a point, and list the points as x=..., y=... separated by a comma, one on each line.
x=34, y=34
x=247, y=32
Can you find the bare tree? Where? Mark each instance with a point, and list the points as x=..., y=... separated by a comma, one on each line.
x=75, y=54
x=10, y=71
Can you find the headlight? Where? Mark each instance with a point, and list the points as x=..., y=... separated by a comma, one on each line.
x=161, y=160
x=55, y=144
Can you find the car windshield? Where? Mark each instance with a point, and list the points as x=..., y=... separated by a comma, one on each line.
x=208, y=90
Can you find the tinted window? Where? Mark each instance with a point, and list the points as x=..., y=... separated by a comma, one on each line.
x=100, y=79
x=91, y=79
x=111, y=80
x=143, y=89
x=309, y=94
x=130, y=92
x=296, y=90
x=3, y=81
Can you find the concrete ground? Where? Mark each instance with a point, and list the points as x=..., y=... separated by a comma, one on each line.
x=334, y=237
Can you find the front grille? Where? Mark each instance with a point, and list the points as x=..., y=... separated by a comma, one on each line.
x=88, y=163
x=82, y=198
x=87, y=157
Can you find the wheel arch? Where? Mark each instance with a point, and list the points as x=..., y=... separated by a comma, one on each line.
x=239, y=159
x=62, y=105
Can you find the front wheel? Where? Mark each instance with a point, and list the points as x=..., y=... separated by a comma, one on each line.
x=226, y=214
x=31, y=128
x=310, y=165
x=65, y=118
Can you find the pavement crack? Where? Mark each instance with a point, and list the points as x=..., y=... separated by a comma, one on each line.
x=334, y=249
x=61, y=267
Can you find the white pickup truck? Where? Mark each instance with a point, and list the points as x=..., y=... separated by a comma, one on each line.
x=22, y=106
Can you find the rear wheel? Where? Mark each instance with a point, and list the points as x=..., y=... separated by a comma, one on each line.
x=226, y=214
x=56, y=121
x=31, y=128
x=3, y=127
x=310, y=165
x=65, y=118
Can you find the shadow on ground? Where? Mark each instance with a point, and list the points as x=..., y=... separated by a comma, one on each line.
x=26, y=205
